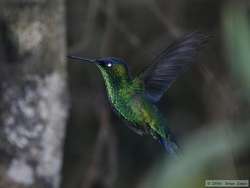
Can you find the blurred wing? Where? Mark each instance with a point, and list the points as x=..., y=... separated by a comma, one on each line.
x=169, y=64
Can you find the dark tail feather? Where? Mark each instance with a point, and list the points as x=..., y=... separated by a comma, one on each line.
x=170, y=147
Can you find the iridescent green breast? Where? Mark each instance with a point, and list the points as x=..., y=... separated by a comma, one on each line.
x=134, y=108
x=127, y=97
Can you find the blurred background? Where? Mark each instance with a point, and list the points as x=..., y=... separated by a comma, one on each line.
x=81, y=142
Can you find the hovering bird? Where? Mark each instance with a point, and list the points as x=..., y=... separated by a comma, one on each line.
x=135, y=99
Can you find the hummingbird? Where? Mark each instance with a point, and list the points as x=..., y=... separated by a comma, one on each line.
x=135, y=99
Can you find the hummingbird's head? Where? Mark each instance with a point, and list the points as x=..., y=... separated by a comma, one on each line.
x=113, y=66
x=108, y=66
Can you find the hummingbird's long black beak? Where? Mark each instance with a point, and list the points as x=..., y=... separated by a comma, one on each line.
x=81, y=59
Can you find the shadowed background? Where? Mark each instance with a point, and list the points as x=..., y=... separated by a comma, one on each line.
x=102, y=152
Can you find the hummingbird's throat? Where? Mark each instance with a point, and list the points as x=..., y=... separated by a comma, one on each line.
x=113, y=83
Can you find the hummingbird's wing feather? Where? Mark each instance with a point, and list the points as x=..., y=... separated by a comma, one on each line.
x=174, y=60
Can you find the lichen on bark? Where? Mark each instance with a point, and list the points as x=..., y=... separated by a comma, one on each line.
x=33, y=93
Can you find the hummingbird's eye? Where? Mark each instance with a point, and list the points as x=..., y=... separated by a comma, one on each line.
x=109, y=65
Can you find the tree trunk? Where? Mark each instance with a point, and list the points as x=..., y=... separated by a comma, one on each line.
x=33, y=101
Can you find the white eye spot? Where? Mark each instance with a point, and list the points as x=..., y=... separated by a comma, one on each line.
x=109, y=65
